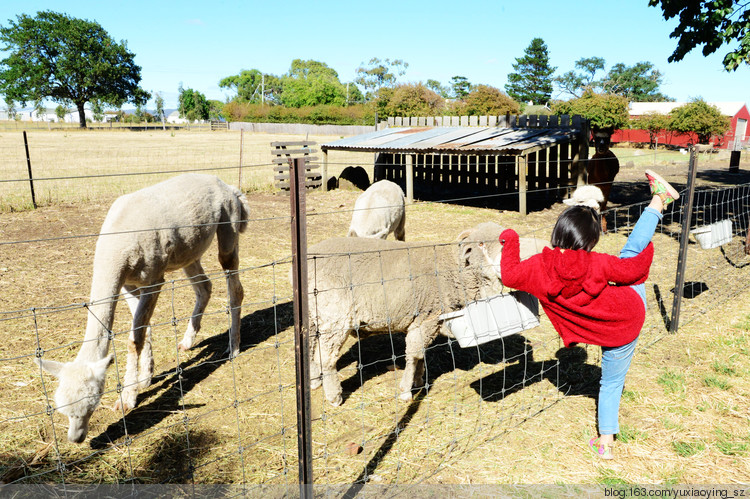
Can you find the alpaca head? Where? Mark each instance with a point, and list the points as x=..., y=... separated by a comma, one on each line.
x=78, y=394
x=602, y=138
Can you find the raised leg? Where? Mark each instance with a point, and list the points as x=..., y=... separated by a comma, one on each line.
x=136, y=342
x=202, y=287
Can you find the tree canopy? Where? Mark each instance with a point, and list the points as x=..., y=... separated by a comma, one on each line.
x=532, y=79
x=485, y=100
x=701, y=118
x=638, y=83
x=310, y=83
x=604, y=110
x=409, y=100
x=67, y=60
x=379, y=73
x=253, y=86
x=575, y=83
x=193, y=104
x=711, y=24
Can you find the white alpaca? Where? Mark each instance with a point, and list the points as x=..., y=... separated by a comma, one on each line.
x=586, y=195
x=147, y=233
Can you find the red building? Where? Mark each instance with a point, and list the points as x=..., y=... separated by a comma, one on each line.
x=737, y=136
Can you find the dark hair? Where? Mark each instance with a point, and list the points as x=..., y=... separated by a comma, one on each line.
x=578, y=227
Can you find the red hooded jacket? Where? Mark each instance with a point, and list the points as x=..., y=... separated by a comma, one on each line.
x=574, y=289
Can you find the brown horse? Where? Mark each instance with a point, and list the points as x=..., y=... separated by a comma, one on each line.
x=603, y=166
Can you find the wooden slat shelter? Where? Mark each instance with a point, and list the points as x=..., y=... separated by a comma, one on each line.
x=509, y=154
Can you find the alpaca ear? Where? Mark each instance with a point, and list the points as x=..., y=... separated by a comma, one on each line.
x=99, y=368
x=51, y=366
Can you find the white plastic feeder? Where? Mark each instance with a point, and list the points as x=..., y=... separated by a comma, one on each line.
x=714, y=235
x=493, y=318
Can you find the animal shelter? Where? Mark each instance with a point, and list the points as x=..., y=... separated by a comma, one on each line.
x=459, y=157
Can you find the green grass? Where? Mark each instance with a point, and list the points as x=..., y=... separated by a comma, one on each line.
x=687, y=449
x=608, y=476
x=723, y=368
x=672, y=382
x=628, y=434
x=716, y=382
x=730, y=445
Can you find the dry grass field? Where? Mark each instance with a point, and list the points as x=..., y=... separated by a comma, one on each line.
x=515, y=411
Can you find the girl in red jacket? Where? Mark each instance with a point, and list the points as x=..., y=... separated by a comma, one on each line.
x=573, y=284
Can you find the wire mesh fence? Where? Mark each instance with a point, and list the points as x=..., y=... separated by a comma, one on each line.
x=208, y=418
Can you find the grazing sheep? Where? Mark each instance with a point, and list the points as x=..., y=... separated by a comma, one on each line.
x=379, y=211
x=586, y=195
x=603, y=166
x=147, y=233
x=360, y=286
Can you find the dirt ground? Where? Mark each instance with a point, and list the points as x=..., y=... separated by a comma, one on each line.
x=515, y=411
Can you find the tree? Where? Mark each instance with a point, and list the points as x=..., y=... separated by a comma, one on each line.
x=532, y=79
x=64, y=59
x=192, y=104
x=653, y=123
x=60, y=112
x=409, y=100
x=485, y=100
x=311, y=83
x=439, y=89
x=460, y=86
x=97, y=110
x=378, y=74
x=710, y=23
x=574, y=83
x=604, y=110
x=701, y=118
x=253, y=86
x=159, y=102
x=638, y=83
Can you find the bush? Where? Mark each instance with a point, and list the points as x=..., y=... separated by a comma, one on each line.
x=318, y=115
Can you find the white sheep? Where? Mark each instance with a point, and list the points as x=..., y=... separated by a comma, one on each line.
x=360, y=286
x=147, y=233
x=379, y=211
x=586, y=195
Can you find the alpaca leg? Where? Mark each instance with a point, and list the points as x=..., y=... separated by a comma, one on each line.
x=230, y=262
x=202, y=288
x=146, y=358
x=136, y=341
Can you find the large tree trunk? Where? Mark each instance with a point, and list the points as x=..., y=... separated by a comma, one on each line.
x=81, y=114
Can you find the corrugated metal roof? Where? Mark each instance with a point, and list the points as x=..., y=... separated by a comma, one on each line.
x=455, y=140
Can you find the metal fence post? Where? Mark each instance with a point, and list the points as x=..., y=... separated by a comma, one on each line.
x=28, y=165
x=687, y=220
x=297, y=174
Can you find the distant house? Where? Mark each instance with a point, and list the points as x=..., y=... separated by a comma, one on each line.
x=737, y=136
x=174, y=117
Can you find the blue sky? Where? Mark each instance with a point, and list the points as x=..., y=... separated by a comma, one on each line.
x=197, y=43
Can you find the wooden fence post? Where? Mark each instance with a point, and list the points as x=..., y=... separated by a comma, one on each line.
x=28, y=164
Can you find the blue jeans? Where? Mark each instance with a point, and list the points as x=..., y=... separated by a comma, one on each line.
x=616, y=360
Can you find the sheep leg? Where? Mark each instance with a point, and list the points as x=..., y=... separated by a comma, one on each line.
x=316, y=375
x=417, y=339
x=136, y=341
x=400, y=232
x=202, y=288
x=146, y=358
x=329, y=347
x=229, y=258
